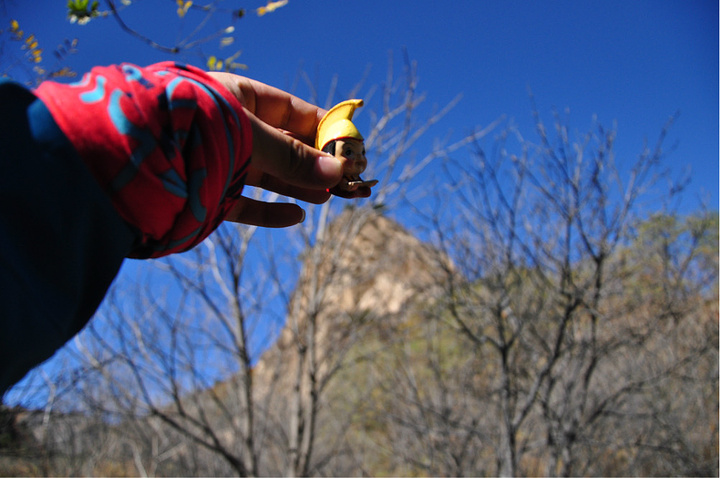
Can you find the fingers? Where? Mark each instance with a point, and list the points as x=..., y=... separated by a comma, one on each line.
x=273, y=106
x=281, y=109
x=268, y=182
x=263, y=214
x=283, y=154
x=291, y=160
x=282, y=128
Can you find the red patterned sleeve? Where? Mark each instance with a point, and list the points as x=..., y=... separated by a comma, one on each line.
x=168, y=144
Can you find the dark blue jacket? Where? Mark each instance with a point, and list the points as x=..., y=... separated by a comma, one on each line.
x=61, y=240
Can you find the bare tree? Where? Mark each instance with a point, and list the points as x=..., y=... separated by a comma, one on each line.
x=576, y=348
x=573, y=331
x=184, y=357
x=191, y=30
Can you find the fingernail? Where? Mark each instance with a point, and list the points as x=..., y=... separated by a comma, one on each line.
x=330, y=166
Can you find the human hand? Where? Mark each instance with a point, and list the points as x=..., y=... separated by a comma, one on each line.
x=283, y=127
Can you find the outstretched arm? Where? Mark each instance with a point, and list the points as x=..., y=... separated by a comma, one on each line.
x=283, y=161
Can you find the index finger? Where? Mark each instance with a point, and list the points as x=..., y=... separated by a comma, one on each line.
x=274, y=106
x=281, y=109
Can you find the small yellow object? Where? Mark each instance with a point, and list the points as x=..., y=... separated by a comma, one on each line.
x=271, y=7
x=183, y=7
x=214, y=64
x=337, y=124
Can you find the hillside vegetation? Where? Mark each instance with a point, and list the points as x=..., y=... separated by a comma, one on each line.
x=420, y=370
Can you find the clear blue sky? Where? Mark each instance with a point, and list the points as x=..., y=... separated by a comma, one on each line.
x=632, y=62
x=635, y=62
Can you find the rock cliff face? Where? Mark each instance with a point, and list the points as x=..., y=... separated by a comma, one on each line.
x=381, y=268
x=358, y=285
x=368, y=262
x=366, y=268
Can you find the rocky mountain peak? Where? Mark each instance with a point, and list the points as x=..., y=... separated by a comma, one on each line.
x=365, y=267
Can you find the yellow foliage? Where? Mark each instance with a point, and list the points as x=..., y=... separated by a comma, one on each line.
x=64, y=72
x=271, y=7
x=183, y=6
x=15, y=29
x=30, y=43
x=228, y=64
x=214, y=64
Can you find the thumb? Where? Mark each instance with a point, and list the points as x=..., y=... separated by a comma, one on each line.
x=290, y=159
